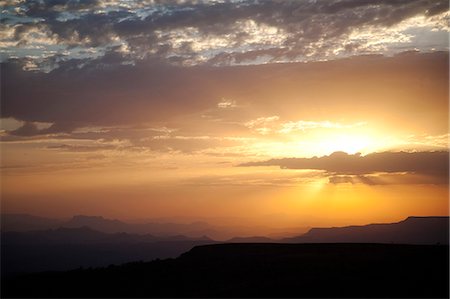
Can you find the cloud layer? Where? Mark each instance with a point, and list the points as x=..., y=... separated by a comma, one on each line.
x=148, y=91
x=226, y=109
x=44, y=34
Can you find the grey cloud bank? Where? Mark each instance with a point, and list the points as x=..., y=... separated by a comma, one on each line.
x=340, y=163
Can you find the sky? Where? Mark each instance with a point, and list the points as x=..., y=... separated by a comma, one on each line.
x=274, y=113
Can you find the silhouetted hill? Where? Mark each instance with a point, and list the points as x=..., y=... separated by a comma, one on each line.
x=83, y=235
x=194, y=229
x=98, y=223
x=70, y=248
x=258, y=270
x=25, y=222
x=413, y=230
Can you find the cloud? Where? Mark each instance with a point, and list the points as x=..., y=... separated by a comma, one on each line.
x=226, y=104
x=219, y=33
x=345, y=168
x=82, y=148
x=306, y=125
x=262, y=125
x=128, y=102
x=29, y=129
x=361, y=179
x=273, y=124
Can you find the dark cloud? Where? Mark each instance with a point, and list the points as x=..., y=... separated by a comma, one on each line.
x=340, y=163
x=108, y=93
x=41, y=8
x=95, y=95
x=29, y=129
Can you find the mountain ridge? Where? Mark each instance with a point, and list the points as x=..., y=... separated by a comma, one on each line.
x=412, y=230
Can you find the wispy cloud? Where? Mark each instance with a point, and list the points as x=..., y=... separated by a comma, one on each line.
x=302, y=125
x=226, y=104
x=262, y=125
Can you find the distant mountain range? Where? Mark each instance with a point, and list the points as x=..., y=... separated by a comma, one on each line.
x=413, y=230
x=24, y=222
x=87, y=235
x=82, y=242
x=163, y=228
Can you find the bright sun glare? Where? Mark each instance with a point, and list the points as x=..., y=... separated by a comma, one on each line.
x=325, y=143
x=350, y=144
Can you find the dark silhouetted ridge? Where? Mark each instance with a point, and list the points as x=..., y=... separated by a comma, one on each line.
x=256, y=239
x=259, y=270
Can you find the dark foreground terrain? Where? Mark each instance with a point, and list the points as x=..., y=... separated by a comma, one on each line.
x=258, y=270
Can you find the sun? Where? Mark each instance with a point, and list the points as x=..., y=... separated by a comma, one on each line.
x=323, y=143
x=350, y=144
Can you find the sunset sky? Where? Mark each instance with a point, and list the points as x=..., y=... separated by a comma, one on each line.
x=273, y=113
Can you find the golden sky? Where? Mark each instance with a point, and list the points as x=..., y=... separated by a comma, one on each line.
x=203, y=126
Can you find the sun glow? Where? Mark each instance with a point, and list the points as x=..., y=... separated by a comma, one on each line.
x=322, y=142
x=350, y=144
x=363, y=139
